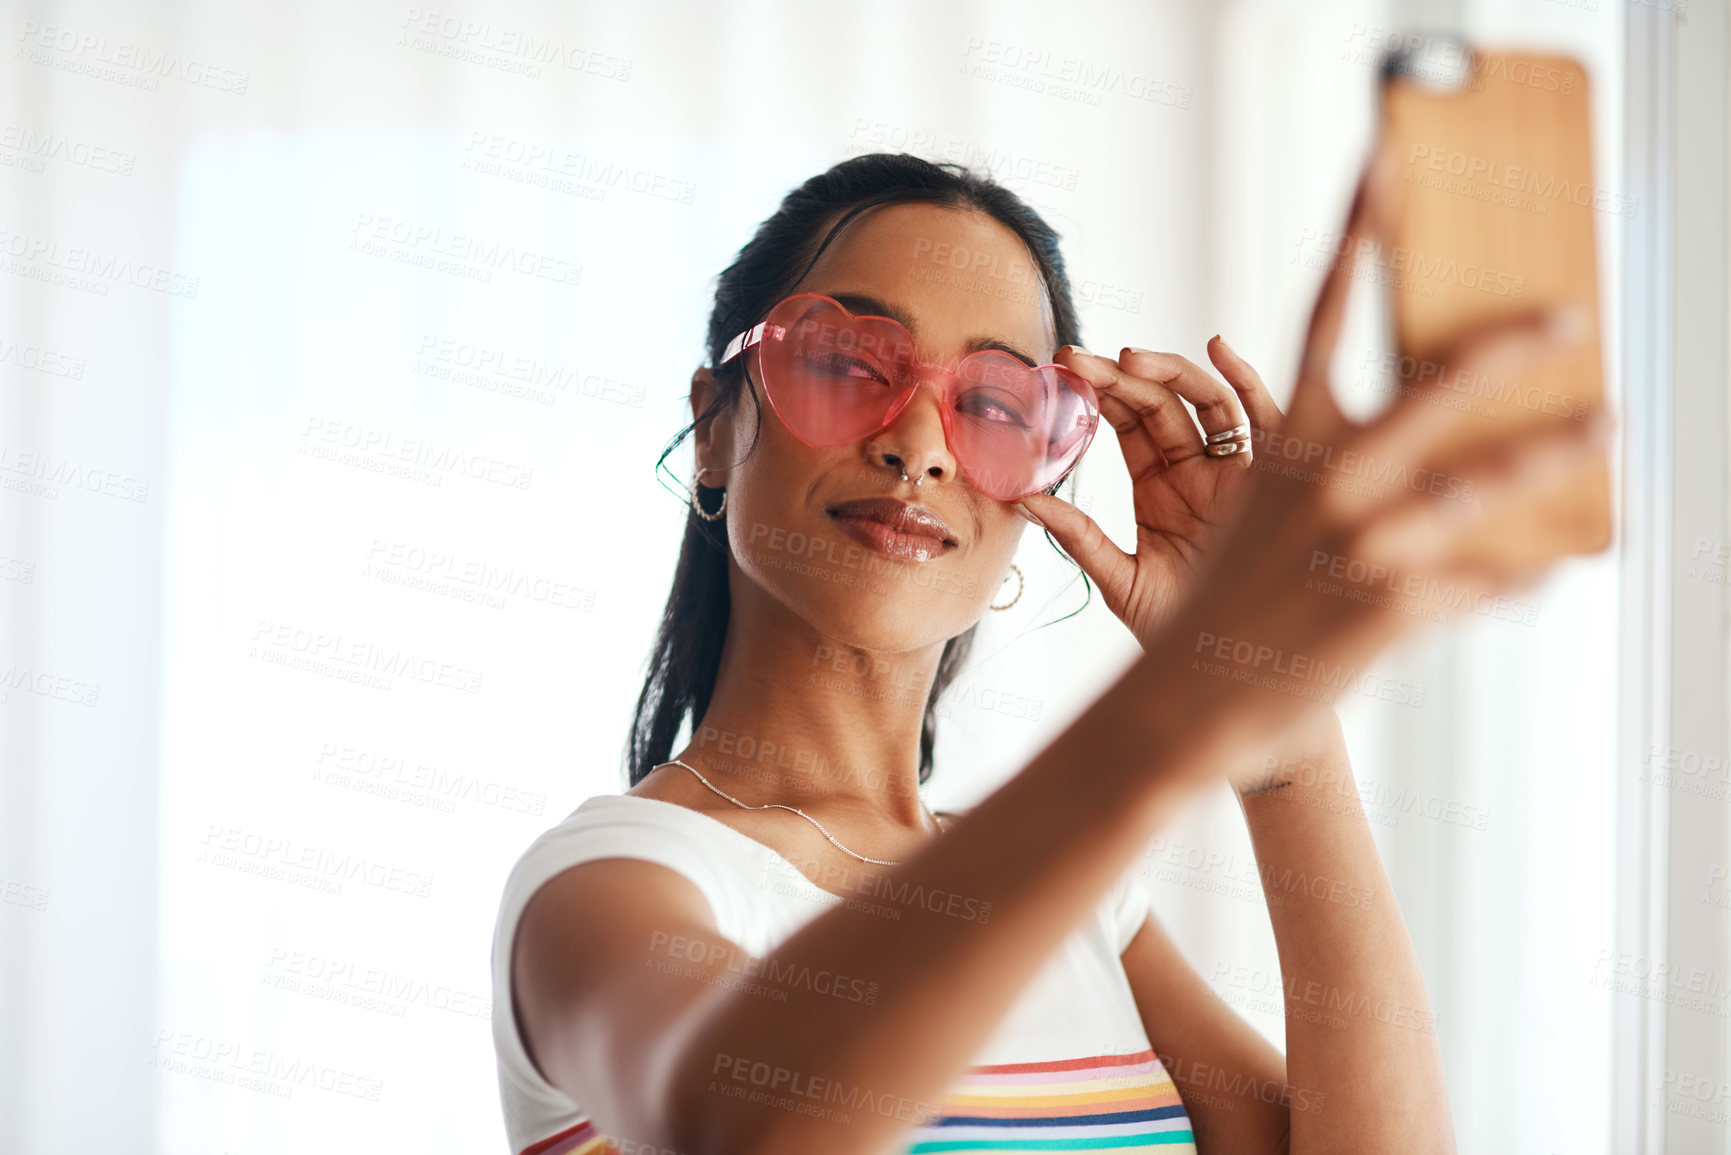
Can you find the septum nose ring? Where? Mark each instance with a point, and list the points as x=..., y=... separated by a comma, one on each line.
x=917, y=481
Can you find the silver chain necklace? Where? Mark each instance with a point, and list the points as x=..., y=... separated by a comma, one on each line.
x=778, y=806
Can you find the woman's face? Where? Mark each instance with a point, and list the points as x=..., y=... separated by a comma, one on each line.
x=956, y=279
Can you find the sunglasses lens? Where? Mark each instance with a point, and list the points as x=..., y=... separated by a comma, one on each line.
x=1018, y=429
x=832, y=377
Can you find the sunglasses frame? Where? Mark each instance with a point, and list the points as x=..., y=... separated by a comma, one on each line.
x=1078, y=384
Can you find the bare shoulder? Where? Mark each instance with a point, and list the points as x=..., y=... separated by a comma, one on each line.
x=586, y=941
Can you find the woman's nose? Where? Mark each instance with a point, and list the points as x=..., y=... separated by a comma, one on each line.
x=914, y=439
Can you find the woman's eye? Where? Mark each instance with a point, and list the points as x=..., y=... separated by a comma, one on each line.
x=840, y=365
x=993, y=408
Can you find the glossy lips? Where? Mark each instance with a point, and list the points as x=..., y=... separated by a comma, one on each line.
x=894, y=528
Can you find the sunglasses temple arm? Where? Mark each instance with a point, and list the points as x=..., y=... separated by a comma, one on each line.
x=749, y=338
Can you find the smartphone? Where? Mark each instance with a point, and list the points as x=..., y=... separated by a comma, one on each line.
x=1495, y=215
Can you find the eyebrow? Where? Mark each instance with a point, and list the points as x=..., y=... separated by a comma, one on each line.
x=858, y=303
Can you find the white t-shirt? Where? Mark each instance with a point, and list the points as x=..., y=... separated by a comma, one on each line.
x=1069, y=1067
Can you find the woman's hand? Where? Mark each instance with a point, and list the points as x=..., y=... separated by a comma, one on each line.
x=1277, y=617
x=1183, y=497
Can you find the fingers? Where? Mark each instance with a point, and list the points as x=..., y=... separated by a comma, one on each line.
x=1139, y=394
x=1424, y=530
x=1363, y=226
x=1502, y=351
x=1081, y=537
x=1152, y=425
x=1218, y=408
x=1258, y=403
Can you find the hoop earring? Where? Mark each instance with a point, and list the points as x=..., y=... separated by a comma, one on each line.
x=698, y=506
x=1020, y=584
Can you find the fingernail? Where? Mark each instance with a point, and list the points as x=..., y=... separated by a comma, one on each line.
x=1225, y=346
x=1076, y=349
x=1029, y=514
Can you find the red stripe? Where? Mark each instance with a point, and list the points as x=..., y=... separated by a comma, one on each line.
x=582, y=1131
x=1139, y=1059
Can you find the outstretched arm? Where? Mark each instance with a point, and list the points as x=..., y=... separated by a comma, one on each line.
x=1362, y=1070
x=1359, y=1029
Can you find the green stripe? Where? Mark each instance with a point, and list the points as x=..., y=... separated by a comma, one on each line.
x=1159, y=1139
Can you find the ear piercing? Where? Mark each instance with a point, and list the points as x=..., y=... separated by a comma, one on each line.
x=698, y=506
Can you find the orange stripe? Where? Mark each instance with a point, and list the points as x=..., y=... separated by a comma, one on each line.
x=1092, y=1098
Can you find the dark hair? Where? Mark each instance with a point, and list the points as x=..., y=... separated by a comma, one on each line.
x=687, y=653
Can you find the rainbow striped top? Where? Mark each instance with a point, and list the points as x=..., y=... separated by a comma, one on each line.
x=1070, y=1067
x=1100, y=1103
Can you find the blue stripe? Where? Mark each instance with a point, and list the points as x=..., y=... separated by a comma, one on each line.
x=1162, y=1139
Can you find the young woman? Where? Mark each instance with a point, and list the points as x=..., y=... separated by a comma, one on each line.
x=769, y=944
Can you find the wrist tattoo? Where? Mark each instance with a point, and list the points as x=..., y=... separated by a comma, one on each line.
x=1265, y=787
